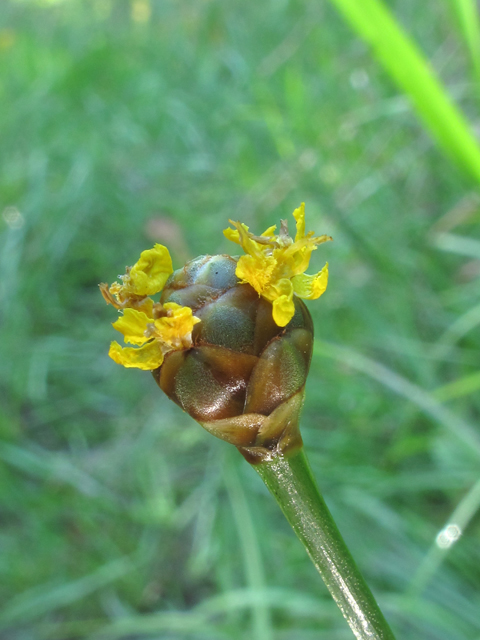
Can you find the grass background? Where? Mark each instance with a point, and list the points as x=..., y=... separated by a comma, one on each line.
x=126, y=123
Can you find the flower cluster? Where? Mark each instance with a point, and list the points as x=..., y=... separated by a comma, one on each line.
x=155, y=328
x=230, y=339
x=275, y=265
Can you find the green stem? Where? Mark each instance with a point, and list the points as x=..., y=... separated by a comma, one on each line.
x=291, y=482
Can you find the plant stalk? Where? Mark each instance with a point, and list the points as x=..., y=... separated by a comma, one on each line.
x=290, y=480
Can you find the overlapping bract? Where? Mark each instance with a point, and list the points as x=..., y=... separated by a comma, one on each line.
x=275, y=265
x=244, y=377
x=230, y=340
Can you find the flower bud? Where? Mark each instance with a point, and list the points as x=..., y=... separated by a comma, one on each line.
x=243, y=379
x=230, y=340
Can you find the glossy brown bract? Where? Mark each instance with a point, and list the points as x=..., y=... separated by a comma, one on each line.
x=243, y=379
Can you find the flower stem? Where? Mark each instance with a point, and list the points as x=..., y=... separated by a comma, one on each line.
x=291, y=482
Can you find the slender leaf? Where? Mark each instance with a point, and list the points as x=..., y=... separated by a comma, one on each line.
x=468, y=18
x=410, y=70
x=459, y=388
x=424, y=400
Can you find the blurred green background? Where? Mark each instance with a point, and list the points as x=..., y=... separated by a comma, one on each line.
x=128, y=123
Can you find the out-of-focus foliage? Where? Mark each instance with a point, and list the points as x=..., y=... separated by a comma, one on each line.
x=407, y=66
x=128, y=123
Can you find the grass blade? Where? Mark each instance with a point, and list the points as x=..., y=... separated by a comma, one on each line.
x=457, y=244
x=467, y=14
x=44, y=599
x=447, y=537
x=459, y=388
x=424, y=400
x=262, y=624
x=409, y=69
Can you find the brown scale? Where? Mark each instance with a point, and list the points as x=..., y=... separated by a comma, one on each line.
x=244, y=377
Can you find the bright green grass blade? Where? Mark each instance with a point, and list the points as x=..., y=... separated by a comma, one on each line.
x=410, y=70
x=459, y=388
x=468, y=18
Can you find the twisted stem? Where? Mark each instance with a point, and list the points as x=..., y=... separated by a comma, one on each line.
x=290, y=480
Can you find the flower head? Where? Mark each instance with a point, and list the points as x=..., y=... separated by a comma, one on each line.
x=243, y=379
x=228, y=341
x=275, y=265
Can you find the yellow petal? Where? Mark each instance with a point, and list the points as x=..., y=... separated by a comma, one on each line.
x=240, y=235
x=175, y=329
x=145, y=305
x=283, y=310
x=172, y=306
x=270, y=232
x=133, y=325
x=256, y=270
x=148, y=357
x=149, y=274
x=311, y=287
x=281, y=296
x=248, y=241
x=178, y=311
x=297, y=256
x=115, y=288
x=249, y=245
x=299, y=215
x=232, y=234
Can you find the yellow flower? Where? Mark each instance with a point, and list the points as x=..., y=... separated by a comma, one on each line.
x=275, y=265
x=170, y=330
x=147, y=277
x=156, y=329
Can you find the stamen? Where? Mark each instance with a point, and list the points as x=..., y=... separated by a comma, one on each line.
x=150, y=330
x=261, y=239
x=284, y=230
x=158, y=311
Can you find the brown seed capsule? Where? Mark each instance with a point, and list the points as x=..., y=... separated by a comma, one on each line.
x=243, y=378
